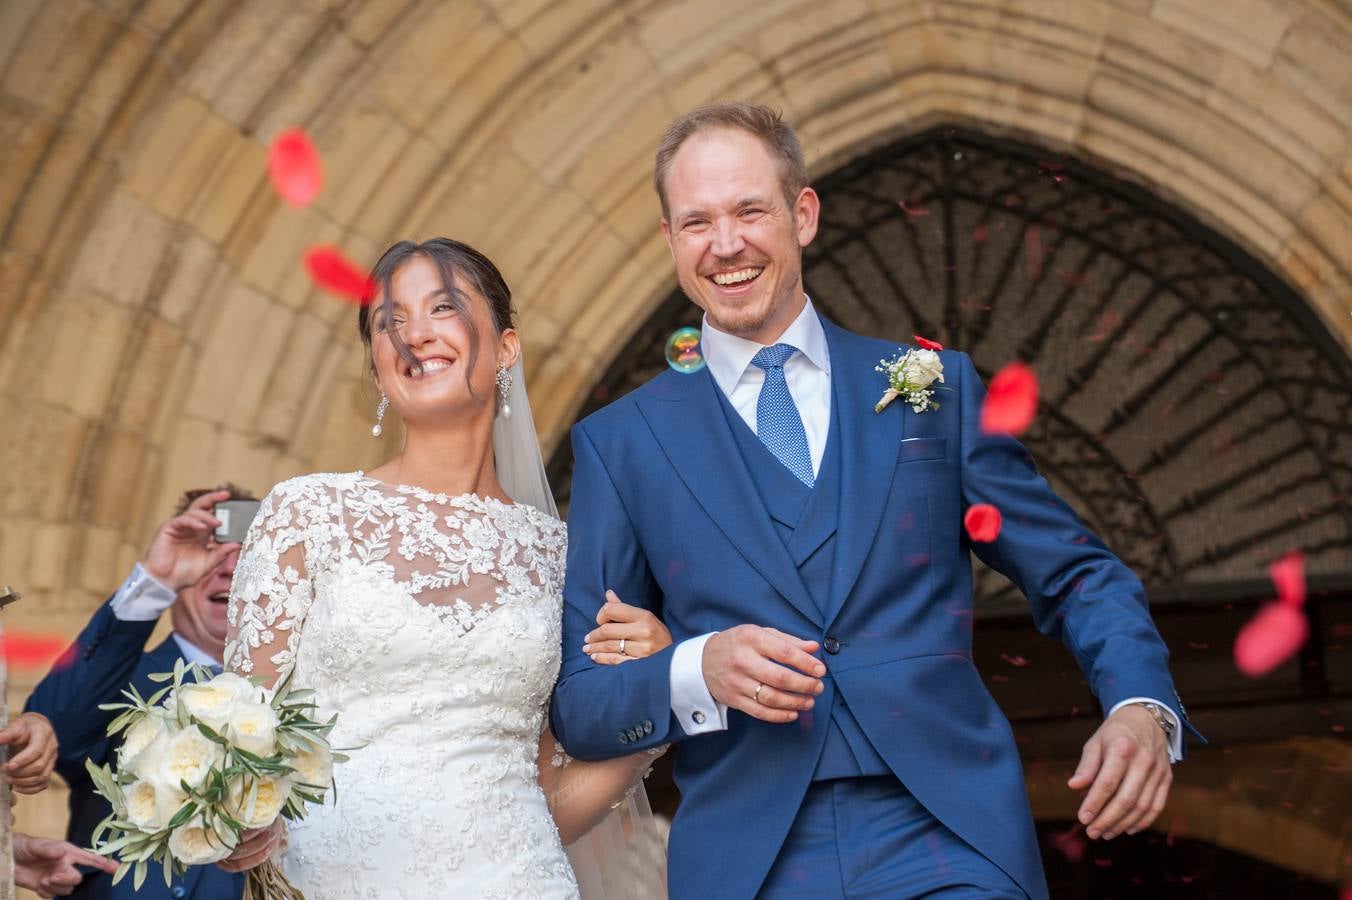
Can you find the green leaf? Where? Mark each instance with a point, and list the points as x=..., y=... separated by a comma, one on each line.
x=168, y=869
x=122, y=870
x=140, y=878
x=161, y=677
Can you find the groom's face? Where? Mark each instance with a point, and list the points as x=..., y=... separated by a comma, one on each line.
x=736, y=239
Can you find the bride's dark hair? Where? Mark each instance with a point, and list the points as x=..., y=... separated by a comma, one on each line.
x=450, y=257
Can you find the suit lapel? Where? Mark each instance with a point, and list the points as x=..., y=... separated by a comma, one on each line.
x=694, y=433
x=869, y=448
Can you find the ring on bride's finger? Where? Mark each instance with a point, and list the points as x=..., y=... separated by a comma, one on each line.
x=622, y=653
x=755, y=698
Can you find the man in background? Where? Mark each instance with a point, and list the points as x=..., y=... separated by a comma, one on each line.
x=188, y=573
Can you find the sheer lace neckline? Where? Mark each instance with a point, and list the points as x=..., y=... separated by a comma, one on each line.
x=425, y=495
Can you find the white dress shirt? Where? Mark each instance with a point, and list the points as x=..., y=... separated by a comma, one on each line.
x=808, y=374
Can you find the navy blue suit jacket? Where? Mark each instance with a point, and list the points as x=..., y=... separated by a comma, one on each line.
x=664, y=512
x=108, y=656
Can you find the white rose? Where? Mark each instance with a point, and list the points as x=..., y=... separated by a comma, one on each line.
x=272, y=795
x=150, y=806
x=194, y=845
x=923, y=368
x=314, y=767
x=212, y=702
x=188, y=757
x=253, y=727
x=151, y=731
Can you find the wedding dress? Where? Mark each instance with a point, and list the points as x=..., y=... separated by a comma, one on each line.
x=431, y=625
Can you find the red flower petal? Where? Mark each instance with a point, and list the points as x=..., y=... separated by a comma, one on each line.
x=1270, y=638
x=927, y=344
x=1011, y=401
x=293, y=164
x=1032, y=251
x=982, y=522
x=1288, y=574
x=334, y=272
x=33, y=651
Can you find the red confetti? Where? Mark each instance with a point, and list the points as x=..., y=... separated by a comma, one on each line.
x=293, y=164
x=33, y=651
x=914, y=212
x=1071, y=843
x=1011, y=401
x=1288, y=574
x=334, y=272
x=1270, y=638
x=927, y=344
x=1032, y=250
x=982, y=522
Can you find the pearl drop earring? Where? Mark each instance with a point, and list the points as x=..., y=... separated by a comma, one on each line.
x=376, y=429
x=504, y=380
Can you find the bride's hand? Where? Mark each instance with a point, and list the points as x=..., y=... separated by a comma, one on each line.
x=256, y=846
x=631, y=629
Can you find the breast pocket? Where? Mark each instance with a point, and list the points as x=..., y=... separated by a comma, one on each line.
x=918, y=449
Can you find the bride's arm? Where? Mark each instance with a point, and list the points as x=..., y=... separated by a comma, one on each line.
x=580, y=793
x=269, y=596
x=271, y=590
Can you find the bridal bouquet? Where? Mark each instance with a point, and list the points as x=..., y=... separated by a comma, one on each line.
x=203, y=760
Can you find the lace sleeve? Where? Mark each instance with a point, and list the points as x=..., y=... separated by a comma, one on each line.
x=271, y=591
x=614, y=842
x=580, y=794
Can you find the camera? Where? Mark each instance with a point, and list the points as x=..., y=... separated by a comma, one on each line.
x=236, y=516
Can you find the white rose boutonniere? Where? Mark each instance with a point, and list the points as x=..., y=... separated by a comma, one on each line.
x=912, y=376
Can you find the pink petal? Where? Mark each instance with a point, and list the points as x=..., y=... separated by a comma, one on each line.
x=1288, y=574
x=293, y=164
x=1271, y=637
x=912, y=211
x=927, y=344
x=1032, y=250
x=334, y=272
x=1011, y=401
x=982, y=522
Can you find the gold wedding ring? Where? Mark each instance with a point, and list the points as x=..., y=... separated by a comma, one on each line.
x=622, y=653
x=755, y=698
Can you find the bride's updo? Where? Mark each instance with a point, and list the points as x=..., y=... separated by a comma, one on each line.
x=451, y=258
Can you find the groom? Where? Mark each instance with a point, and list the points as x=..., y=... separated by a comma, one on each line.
x=809, y=558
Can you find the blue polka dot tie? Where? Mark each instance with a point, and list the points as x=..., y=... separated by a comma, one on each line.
x=778, y=424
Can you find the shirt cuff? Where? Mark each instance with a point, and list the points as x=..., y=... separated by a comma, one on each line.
x=141, y=598
x=691, y=702
x=1175, y=739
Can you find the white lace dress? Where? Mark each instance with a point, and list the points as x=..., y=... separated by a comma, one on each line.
x=430, y=624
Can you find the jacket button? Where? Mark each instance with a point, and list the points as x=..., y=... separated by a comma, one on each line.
x=624, y=738
x=831, y=645
x=178, y=891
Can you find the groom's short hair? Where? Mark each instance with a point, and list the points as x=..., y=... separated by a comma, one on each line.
x=759, y=121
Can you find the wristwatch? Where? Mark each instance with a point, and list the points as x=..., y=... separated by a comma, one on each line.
x=1161, y=718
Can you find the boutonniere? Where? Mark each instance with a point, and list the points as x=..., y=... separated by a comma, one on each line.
x=911, y=376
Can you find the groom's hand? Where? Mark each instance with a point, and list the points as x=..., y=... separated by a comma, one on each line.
x=763, y=672
x=1125, y=765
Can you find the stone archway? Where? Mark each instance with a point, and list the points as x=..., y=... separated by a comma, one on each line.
x=158, y=332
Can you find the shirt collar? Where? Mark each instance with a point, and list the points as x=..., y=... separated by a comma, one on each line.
x=193, y=653
x=729, y=356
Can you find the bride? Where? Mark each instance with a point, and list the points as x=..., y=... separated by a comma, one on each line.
x=422, y=602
